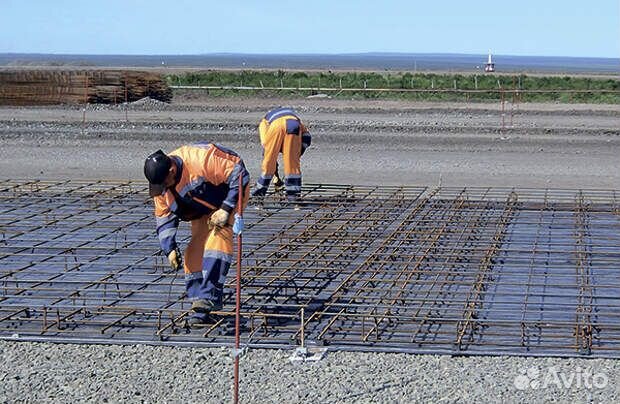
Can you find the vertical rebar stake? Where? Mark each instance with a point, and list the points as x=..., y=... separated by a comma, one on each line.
x=85, y=103
x=501, y=91
x=126, y=99
x=238, y=292
x=302, y=328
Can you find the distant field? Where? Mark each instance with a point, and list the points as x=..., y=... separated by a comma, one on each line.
x=405, y=85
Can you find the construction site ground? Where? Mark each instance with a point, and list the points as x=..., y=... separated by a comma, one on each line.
x=360, y=142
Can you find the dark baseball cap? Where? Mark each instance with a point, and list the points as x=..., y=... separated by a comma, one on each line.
x=156, y=168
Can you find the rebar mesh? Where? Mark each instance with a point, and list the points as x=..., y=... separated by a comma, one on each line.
x=407, y=269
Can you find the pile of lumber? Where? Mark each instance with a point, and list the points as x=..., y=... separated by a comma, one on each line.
x=45, y=87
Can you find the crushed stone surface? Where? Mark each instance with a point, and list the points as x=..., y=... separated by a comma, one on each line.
x=42, y=372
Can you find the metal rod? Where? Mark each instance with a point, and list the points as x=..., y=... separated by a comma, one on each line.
x=238, y=290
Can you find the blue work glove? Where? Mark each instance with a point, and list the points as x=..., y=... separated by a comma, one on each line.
x=238, y=224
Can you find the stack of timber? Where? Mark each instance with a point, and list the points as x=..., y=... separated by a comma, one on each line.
x=45, y=87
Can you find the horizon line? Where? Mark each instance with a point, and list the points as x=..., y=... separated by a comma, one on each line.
x=370, y=53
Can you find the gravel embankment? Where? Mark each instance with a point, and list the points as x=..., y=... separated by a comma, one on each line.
x=133, y=374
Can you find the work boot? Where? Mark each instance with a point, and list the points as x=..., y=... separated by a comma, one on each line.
x=201, y=320
x=195, y=321
x=258, y=193
x=205, y=306
x=294, y=200
x=201, y=306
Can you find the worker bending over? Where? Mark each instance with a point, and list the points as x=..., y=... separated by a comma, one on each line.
x=281, y=131
x=198, y=183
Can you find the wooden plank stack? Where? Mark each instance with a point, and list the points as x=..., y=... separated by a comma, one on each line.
x=46, y=87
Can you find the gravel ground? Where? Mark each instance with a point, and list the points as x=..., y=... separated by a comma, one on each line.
x=378, y=142
x=548, y=145
x=69, y=373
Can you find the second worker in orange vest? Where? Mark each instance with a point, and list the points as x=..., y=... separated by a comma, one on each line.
x=281, y=131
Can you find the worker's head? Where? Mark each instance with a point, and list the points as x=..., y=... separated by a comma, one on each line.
x=159, y=170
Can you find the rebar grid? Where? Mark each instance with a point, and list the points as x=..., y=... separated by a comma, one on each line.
x=408, y=269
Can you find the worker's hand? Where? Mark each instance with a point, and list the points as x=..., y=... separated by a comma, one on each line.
x=175, y=259
x=219, y=218
x=238, y=224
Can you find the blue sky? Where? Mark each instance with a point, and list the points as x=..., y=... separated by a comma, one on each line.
x=522, y=27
